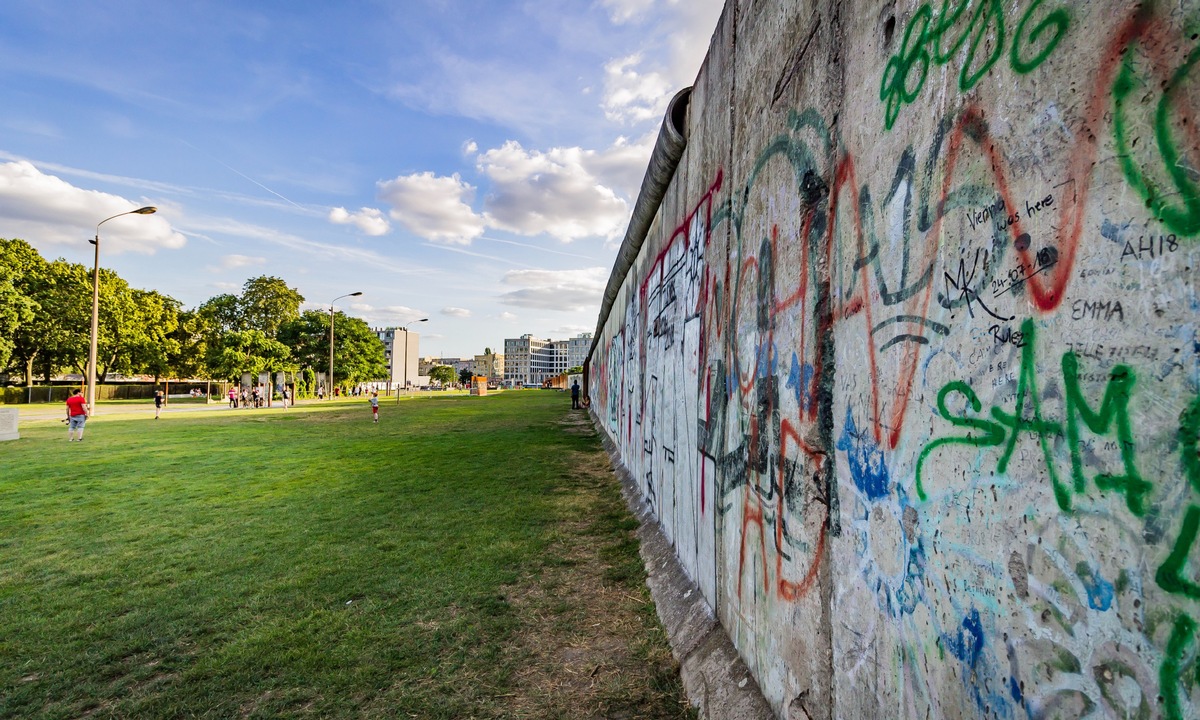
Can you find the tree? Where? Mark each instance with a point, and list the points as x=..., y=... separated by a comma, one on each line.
x=577, y=370
x=443, y=374
x=267, y=303
x=186, y=355
x=464, y=376
x=59, y=333
x=358, y=354
x=221, y=314
x=16, y=309
x=247, y=351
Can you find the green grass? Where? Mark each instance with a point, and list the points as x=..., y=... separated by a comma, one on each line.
x=263, y=563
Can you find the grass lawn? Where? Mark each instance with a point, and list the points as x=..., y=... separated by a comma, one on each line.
x=464, y=558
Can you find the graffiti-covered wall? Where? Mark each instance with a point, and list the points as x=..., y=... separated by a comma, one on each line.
x=908, y=364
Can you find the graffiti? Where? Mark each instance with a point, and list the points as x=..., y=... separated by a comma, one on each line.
x=967, y=20
x=928, y=387
x=1179, y=206
x=1149, y=247
x=1111, y=417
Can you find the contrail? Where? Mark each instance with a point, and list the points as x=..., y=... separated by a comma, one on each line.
x=243, y=175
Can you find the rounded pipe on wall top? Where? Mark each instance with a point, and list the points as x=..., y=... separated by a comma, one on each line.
x=668, y=150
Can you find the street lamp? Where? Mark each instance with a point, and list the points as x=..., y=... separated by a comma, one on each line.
x=91, y=379
x=405, y=329
x=339, y=297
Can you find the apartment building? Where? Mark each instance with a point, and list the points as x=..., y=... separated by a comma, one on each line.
x=530, y=361
x=398, y=344
x=490, y=366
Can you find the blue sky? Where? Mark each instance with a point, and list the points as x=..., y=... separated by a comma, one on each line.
x=474, y=163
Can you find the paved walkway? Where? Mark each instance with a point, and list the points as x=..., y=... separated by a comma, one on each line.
x=54, y=411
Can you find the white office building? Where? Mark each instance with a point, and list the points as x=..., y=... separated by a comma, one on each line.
x=530, y=361
x=398, y=344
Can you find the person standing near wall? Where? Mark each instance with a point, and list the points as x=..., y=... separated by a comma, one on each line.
x=77, y=414
x=575, y=395
x=158, y=403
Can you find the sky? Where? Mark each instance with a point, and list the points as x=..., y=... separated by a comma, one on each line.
x=473, y=163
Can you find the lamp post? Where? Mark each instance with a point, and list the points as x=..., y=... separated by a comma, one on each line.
x=91, y=378
x=405, y=329
x=339, y=297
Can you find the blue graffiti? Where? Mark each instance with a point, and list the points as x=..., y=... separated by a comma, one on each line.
x=800, y=383
x=967, y=643
x=867, y=467
x=1099, y=591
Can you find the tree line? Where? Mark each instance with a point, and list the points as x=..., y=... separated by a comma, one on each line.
x=45, y=321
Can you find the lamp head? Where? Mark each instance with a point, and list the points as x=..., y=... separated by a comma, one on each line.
x=355, y=294
x=148, y=210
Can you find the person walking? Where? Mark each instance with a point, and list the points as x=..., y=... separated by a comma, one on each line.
x=284, y=393
x=375, y=406
x=232, y=398
x=77, y=414
x=575, y=395
x=158, y=403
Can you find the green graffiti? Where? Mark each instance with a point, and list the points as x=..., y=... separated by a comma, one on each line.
x=1057, y=20
x=1182, y=635
x=1170, y=574
x=1179, y=207
x=1112, y=417
x=993, y=435
x=1189, y=437
x=1114, y=408
x=1027, y=380
x=925, y=41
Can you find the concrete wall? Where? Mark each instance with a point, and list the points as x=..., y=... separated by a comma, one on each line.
x=908, y=366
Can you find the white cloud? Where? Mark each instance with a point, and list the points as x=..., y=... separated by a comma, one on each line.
x=638, y=84
x=563, y=290
x=46, y=210
x=623, y=165
x=552, y=192
x=370, y=221
x=470, y=147
x=622, y=11
x=233, y=262
x=433, y=207
x=397, y=316
x=456, y=312
x=489, y=89
x=508, y=317
x=633, y=96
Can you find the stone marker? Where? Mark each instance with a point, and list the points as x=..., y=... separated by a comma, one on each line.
x=8, y=424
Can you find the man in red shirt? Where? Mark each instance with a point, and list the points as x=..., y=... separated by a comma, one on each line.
x=77, y=413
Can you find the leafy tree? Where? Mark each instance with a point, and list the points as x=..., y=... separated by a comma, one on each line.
x=443, y=374
x=247, y=351
x=358, y=355
x=464, y=376
x=60, y=331
x=27, y=273
x=578, y=369
x=150, y=344
x=267, y=303
x=16, y=309
x=186, y=354
x=221, y=314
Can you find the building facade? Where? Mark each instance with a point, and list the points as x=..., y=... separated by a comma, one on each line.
x=399, y=344
x=489, y=365
x=530, y=361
